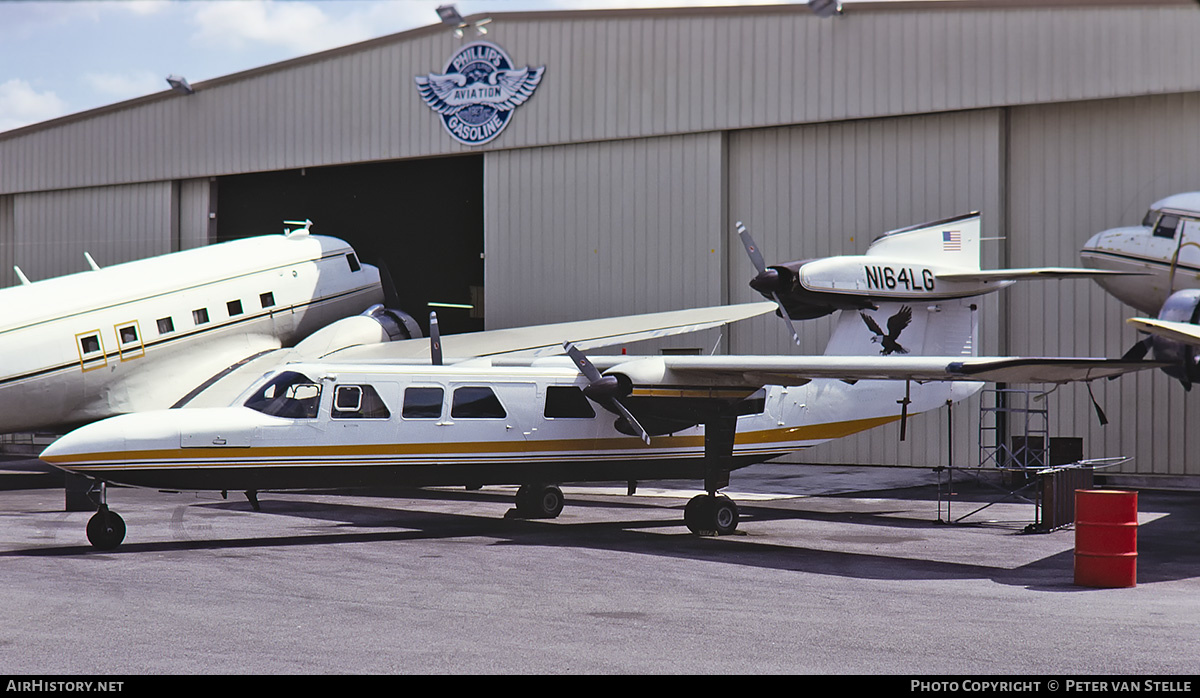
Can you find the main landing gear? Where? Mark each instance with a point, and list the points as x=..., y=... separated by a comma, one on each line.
x=106, y=528
x=537, y=501
x=711, y=514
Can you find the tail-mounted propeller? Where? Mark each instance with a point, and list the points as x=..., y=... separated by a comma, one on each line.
x=605, y=391
x=767, y=280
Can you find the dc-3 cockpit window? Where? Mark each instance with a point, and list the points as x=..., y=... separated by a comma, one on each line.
x=1150, y=219
x=289, y=394
x=358, y=402
x=1166, y=226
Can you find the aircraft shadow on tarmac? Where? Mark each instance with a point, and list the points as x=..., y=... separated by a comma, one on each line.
x=1167, y=545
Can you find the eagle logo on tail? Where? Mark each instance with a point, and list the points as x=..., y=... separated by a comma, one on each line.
x=896, y=325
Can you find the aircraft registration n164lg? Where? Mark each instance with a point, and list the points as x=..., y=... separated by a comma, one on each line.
x=369, y=416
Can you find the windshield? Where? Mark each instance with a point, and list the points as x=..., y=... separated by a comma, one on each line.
x=289, y=394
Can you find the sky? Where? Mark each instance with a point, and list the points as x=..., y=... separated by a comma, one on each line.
x=67, y=56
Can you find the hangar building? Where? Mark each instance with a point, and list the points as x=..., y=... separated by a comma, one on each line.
x=614, y=187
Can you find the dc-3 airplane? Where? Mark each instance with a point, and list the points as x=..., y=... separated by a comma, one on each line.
x=1165, y=249
x=474, y=411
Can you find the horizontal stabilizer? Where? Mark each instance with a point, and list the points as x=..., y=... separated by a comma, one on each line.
x=1033, y=273
x=1184, y=332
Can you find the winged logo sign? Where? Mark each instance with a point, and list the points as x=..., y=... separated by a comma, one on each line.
x=478, y=92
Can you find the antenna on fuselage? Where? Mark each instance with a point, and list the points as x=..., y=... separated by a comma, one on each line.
x=297, y=231
x=91, y=262
x=21, y=276
x=435, y=341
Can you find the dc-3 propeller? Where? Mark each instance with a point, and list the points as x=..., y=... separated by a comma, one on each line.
x=606, y=391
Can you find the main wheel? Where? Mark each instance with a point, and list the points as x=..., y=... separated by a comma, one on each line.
x=706, y=513
x=540, y=501
x=106, y=530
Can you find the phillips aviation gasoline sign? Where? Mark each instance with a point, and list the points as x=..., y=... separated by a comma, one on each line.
x=478, y=92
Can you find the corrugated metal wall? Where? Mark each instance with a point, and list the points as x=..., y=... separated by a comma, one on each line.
x=603, y=229
x=623, y=75
x=1077, y=169
x=8, y=231
x=113, y=224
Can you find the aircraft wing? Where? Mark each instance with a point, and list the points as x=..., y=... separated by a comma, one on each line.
x=546, y=340
x=746, y=371
x=1034, y=273
x=1184, y=332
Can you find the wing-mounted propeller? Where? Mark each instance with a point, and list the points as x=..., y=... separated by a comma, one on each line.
x=1173, y=337
x=769, y=281
x=606, y=391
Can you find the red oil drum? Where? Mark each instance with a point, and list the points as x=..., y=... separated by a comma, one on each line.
x=1105, y=538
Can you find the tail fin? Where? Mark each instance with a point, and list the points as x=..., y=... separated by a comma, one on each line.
x=942, y=328
x=951, y=242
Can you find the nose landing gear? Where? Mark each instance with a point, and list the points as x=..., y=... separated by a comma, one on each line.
x=106, y=528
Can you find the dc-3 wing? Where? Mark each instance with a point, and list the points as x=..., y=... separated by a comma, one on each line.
x=1184, y=332
x=747, y=371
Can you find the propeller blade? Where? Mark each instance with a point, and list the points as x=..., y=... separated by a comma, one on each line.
x=787, y=318
x=756, y=257
x=581, y=362
x=391, y=299
x=630, y=419
x=435, y=341
x=1138, y=351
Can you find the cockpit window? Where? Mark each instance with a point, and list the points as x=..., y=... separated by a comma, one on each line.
x=358, y=402
x=290, y=394
x=1151, y=217
x=1166, y=226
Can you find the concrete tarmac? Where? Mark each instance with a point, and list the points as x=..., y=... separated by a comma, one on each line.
x=833, y=570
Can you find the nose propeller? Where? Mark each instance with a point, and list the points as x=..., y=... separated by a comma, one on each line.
x=767, y=280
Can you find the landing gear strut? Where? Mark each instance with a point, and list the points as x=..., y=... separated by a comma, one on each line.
x=714, y=513
x=106, y=528
x=539, y=502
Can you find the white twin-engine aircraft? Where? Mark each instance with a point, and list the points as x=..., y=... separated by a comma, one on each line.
x=1165, y=249
x=370, y=416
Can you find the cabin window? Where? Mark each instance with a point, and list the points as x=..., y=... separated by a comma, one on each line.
x=289, y=394
x=567, y=402
x=234, y=308
x=358, y=402
x=89, y=344
x=200, y=316
x=128, y=334
x=1166, y=226
x=266, y=299
x=755, y=403
x=166, y=325
x=476, y=402
x=353, y=261
x=422, y=403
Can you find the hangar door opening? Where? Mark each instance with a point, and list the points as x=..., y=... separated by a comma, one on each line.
x=421, y=219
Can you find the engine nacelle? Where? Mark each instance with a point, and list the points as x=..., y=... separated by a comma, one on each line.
x=1181, y=306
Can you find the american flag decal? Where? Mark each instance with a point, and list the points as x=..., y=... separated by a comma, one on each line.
x=951, y=241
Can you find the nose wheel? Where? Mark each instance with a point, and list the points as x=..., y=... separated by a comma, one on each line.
x=711, y=514
x=106, y=528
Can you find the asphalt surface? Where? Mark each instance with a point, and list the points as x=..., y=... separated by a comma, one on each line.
x=833, y=570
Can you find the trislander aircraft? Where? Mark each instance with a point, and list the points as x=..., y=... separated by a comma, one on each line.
x=362, y=416
x=1165, y=248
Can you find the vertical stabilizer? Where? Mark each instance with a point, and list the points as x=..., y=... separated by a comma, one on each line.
x=943, y=328
x=953, y=242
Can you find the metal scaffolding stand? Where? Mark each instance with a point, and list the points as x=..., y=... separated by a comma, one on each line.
x=1014, y=441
